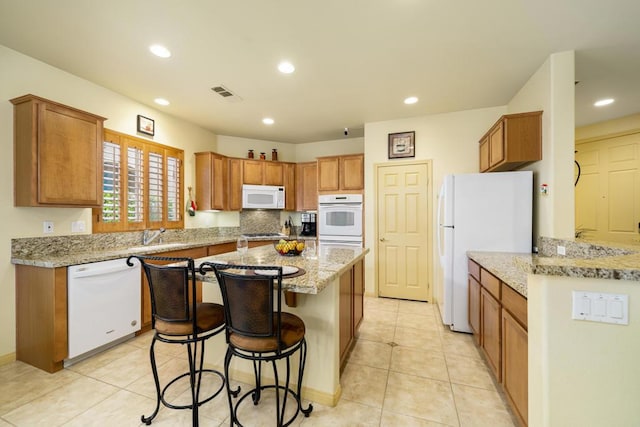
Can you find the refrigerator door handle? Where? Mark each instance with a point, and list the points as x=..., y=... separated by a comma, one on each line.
x=441, y=249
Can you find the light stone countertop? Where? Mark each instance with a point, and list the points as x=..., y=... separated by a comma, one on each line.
x=585, y=261
x=65, y=259
x=63, y=251
x=331, y=263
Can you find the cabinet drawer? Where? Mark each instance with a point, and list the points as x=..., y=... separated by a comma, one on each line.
x=490, y=282
x=515, y=304
x=474, y=270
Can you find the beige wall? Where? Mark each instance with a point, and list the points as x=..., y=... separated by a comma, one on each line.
x=610, y=127
x=551, y=89
x=581, y=373
x=449, y=140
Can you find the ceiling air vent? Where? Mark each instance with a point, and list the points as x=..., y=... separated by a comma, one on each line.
x=225, y=93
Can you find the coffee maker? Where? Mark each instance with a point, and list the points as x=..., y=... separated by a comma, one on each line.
x=308, y=224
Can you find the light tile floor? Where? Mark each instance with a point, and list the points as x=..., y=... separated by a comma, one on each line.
x=405, y=369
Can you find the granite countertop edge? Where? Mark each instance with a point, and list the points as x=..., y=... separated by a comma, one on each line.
x=84, y=257
x=513, y=268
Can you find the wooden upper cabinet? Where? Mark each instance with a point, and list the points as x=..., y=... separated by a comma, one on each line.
x=234, y=197
x=307, y=186
x=352, y=172
x=341, y=173
x=273, y=173
x=262, y=172
x=484, y=154
x=289, y=182
x=57, y=154
x=328, y=173
x=253, y=172
x=513, y=141
x=211, y=181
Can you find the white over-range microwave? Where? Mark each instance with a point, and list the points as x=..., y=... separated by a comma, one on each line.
x=262, y=197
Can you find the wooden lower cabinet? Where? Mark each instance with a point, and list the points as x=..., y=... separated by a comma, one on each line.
x=515, y=362
x=490, y=324
x=351, y=306
x=498, y=318
x=41, y=316
x=474, y=308
x=346, y=314
x=358, y=294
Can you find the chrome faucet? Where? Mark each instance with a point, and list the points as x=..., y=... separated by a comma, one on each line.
x=147, y=239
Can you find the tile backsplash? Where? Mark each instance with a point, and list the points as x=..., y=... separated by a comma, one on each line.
x=260, y=221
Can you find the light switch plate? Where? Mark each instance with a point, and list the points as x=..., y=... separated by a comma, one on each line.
x=601, y=307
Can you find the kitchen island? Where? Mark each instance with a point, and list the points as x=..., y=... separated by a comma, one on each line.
x=320, y=302
x=579, y=372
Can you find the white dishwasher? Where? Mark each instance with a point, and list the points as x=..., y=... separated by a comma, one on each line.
x=103, y=303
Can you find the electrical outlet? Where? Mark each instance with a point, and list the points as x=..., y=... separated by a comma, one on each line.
x=562, y=250
x=47, y=227
x=77, y=227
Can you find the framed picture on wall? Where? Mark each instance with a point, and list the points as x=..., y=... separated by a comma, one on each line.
x=402, y=145
x=146, y=125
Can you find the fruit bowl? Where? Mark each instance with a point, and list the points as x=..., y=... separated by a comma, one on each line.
x=289, y=247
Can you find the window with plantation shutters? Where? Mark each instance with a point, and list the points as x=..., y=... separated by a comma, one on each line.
x=156, y=185
x=174, y=205
x=142, y=185
x=111, y=184
x=135, y=185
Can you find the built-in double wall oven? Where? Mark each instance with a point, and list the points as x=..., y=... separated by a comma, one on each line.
x=340, y=219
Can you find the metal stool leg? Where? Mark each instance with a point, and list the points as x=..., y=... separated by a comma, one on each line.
x=152, y=357
x=303, y=360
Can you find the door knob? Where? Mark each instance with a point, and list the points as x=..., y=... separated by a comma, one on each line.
x=382, y=239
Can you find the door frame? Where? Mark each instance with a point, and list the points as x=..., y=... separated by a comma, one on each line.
x=376, y=170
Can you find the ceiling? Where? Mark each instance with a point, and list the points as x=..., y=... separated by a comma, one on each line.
x=356, y=60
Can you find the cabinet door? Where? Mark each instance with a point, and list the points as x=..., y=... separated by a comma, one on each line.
x=69, y=151
x=273, y=173
x=289, y=182
x=307, y=186
x=515, y=361
x=221, y=248
x=358, y=294
x=352, y=172
x=496, y=145
x=234, y=196
x=484, y=154
x=253, y=172
x=474, y=308
x=490, y=324
x=211, y=181
x=346, y=313
x=56, y=144
x=328, y=174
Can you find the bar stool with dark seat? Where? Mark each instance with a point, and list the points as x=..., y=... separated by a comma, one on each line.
x=178, y=318
x=258, y=330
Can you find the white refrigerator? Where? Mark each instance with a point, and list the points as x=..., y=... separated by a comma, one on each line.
x=478, y=212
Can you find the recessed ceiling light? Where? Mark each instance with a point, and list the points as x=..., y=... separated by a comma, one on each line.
x=268, y=121
x=286, y=67
x=161, y=101
x=411, y=100
x=603, y=102
x=159, y=50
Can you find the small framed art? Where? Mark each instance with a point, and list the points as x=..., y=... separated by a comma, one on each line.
x=146, y=125
x=402, y=145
